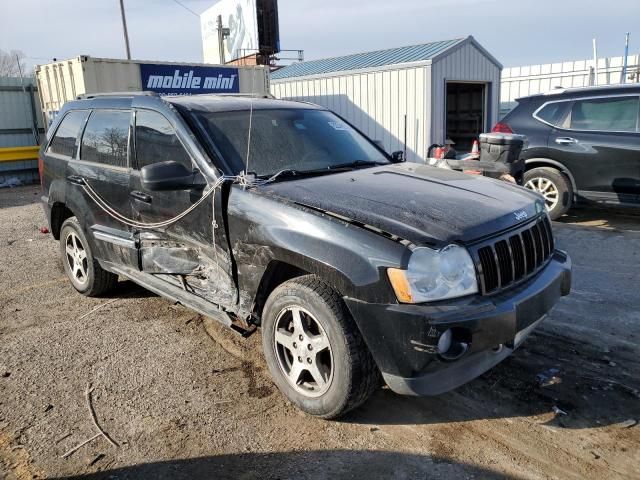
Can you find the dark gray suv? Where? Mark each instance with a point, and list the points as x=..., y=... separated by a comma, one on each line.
x=584, y=145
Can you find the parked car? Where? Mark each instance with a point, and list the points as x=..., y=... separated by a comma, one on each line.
x=355, y=265
x=584, y=145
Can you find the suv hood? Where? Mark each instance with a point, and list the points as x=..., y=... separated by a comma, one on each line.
x=422, y=204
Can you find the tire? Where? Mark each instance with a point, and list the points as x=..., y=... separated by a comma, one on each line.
x=84, y=271
x=546, y=181
x=353, y=375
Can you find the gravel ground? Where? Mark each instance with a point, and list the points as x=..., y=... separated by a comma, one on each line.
x=183, y=398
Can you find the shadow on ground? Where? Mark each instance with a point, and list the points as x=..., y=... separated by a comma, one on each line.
x=570, y=384
x=319, y=464
x=605, y=218
x=128, y=289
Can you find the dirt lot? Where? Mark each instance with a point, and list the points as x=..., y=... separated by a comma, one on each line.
x=183, y=398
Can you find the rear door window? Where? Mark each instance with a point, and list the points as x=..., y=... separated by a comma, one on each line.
x=605, y=114
x=157, y=141
x=106, y=138
x=65, y=141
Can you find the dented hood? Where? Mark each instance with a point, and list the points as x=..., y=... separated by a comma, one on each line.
x=422, y=204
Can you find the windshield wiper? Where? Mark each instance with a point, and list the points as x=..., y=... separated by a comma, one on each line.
x=354, y=164
x=290, y=172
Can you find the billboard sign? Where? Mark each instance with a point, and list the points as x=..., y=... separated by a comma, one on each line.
x=187, y=79
x=241, y=18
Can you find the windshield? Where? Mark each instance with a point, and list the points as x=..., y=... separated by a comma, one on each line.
x=287, y=139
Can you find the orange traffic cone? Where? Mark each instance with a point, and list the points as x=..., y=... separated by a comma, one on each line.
x=475, y=149
x=475, y=155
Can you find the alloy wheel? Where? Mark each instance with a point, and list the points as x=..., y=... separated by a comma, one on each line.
x=303, y=351
x=547, y=189
x=76, y=258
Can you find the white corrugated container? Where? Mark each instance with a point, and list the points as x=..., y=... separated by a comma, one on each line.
x=65, y=80
x=379, y=91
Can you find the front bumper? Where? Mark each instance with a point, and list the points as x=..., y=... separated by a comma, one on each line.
x=403, y=338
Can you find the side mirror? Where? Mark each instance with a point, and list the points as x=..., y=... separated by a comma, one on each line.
x=398, y=157
x=169, y=176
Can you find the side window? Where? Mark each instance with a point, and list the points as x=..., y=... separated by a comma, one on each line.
x=605, y=114
x=552, y=112
x=64, y=141
x=106, y=138
x=156, y=140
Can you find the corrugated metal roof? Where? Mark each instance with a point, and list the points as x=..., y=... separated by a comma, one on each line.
x=379, y=58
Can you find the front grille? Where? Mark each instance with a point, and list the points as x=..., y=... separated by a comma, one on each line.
x=506, y=260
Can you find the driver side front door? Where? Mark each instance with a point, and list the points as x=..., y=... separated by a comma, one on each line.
x=192, y=252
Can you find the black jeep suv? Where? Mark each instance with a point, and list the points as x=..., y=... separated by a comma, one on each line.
x=281, y=215
x=584, y=145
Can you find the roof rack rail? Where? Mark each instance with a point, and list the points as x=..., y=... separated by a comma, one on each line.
x=245, y=95
x=147, y=93
x=611, y=86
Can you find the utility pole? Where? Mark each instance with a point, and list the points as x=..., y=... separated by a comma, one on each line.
x=595, y=62
x=124, y=29
x=623, y=74
x=222, y=34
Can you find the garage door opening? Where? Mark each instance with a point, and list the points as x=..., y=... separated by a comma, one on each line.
x=466, y=113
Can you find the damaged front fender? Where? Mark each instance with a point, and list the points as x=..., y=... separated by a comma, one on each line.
x=264, y=228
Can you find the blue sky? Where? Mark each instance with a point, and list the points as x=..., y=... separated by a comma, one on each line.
x=517, y=32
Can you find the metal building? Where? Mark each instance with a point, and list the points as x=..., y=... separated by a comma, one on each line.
x=408, y=97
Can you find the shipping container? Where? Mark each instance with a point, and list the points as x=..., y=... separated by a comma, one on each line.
x=65, y=80
x=409, y=97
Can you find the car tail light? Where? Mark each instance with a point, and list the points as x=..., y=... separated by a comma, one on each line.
x=41, y=170
x=501, y=127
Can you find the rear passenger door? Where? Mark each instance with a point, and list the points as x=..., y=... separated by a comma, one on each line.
x=598, y=141
x=184, y=253
x=103, y=165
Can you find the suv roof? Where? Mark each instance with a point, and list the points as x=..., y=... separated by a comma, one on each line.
x=587, y=91
x=208, y=102
x=227, y=103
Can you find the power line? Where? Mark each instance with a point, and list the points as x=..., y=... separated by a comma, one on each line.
x=187, y=8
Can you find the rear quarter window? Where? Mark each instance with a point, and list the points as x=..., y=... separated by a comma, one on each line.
x=65, y=141
x=552, y=112
x=106, y=138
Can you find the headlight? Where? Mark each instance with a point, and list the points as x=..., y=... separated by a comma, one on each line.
x=435, y=275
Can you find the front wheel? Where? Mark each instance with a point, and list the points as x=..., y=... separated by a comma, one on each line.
x=314, y=350
x=553, y=186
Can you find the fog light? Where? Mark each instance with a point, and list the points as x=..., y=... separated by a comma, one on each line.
x=454, y=343
x=444, y=342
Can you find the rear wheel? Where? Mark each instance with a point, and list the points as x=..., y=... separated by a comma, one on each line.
x=553, y=186
x=84, y=271
x=314, y=350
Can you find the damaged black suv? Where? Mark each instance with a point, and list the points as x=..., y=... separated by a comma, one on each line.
x=356, y=265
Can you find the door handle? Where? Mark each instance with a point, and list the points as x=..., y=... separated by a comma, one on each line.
x=76, y=179
x=143, y=197
x=566, y=141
